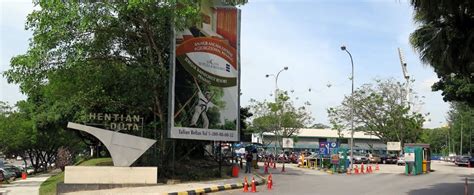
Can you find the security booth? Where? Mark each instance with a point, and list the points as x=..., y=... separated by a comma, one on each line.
x=417, y=159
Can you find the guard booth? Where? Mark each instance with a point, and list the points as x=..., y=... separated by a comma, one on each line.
x=417, y=159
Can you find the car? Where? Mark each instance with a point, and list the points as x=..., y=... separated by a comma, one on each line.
x=463, y=161
x=389, y=159
x=13, y=169
x=401, y=160
x=374, y=158
x=357, y=159
x=6, y=175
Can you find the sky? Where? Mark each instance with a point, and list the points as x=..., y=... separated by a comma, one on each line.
x=305, y=36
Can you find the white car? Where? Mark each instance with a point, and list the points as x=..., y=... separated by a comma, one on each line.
x=401, y=161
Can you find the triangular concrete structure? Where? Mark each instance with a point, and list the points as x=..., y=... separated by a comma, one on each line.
x=124, y=148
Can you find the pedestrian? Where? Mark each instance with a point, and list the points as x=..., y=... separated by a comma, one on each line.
x=248, y=163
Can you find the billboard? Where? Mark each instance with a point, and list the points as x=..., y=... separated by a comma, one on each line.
x=205, y=76
x=394, y=146
x=288, y=143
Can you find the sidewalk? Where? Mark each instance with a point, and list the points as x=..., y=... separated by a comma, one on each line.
x=183, y=188
x=30, y=186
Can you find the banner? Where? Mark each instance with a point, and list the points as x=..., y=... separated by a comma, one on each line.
x=206, y=77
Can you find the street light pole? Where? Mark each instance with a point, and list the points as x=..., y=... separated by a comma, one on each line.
x=343, y=48
x=276, y=99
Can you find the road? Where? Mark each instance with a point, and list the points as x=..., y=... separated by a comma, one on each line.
x=446, y=179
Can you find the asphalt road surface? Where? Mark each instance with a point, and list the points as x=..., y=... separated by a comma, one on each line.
x=446, y=179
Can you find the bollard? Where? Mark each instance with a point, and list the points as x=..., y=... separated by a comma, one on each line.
x=465, y=188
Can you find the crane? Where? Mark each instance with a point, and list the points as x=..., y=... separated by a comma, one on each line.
x=405, y=75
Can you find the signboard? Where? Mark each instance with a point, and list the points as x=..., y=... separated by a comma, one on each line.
x=116, y=122
x=205, y=76
x=410, y=157
x=288, y=143
x=394, y=146
x=323, y=148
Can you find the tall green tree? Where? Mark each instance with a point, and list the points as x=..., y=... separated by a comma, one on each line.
x=379, y=109
x=461, y=121
x=445, y=41
x=281, y=117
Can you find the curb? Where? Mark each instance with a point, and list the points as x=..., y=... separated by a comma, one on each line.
x=218, y=188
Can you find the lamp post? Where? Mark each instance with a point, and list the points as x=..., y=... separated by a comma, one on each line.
x=276, y=99
x=343, y=48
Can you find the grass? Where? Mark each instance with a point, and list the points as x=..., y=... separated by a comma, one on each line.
x=48, y=187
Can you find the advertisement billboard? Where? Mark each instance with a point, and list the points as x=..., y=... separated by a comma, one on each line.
x=394, y=146
x=288, y=142
x=206, y=76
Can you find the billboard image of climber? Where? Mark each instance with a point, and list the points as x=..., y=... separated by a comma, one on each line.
x=205, y=77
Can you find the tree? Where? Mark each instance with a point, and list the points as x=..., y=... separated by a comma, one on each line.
x=460, y=117
x=105, y=57
x=244, y=124
x=379, y=110
x=437, y=138
x=319, y=126
x=445, y=39
x=282, y=117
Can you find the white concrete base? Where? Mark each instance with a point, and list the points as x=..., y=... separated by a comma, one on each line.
x=110, y=175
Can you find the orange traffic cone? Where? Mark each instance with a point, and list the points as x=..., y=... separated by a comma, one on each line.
x=246, y=185
x=367, y=169
x=270, y=182
x=377, y=168
x=370, y=169
x=356, y=170
x=283, y=168
x=266, y=169
x=254, y=188
x=362, y=168
x=274, y=165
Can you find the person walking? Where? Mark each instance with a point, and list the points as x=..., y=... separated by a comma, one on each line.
x=248, y=162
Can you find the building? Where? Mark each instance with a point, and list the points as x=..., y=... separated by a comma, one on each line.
x=308, y=139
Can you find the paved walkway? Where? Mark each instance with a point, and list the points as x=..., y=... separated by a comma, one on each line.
x=30, y=186
x=165, y=189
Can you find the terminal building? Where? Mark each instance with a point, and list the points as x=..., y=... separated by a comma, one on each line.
x=308, y=140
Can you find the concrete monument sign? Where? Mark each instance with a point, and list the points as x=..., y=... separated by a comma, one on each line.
x=124, y=148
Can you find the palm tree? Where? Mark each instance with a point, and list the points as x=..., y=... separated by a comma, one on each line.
x=445, y=41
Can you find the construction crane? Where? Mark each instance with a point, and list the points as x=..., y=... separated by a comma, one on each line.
x=405, y=74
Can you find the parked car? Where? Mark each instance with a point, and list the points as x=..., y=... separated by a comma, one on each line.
x=463, y=161
x=389, y=159
x=358, y=158
x=6, y=175
x=401, y=160
x=374, y=158
x=13, y=169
